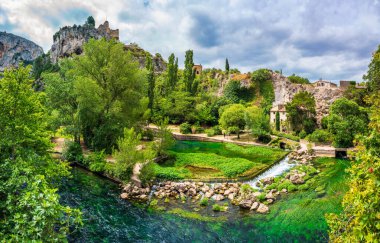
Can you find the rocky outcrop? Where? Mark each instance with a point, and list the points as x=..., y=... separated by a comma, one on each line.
x=15, y=49
x=140, y=54
x=69, y=40
x=285, y=90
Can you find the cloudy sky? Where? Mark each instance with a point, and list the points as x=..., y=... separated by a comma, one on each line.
x=316, y=39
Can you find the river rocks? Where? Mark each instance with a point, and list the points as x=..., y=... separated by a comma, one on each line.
x=193, y=191
x=267, y=181
x=245, y=203
x=209, y=194
x=262, y=208
x=217, y=197
x=270, y=196
x=254, y=206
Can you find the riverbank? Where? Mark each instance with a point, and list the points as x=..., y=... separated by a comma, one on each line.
x=298, y=216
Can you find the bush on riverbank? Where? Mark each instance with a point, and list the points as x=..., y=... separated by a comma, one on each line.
x=72, y=152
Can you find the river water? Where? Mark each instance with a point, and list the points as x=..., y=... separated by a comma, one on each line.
x=107, y=218
x=275, y=170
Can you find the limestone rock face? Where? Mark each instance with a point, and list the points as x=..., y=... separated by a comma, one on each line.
x=69, y=40
x=285, y=90
x=15, y=49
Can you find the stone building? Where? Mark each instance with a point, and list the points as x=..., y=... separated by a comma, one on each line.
x=197, y=69
x=325, y=83
x=282, y=113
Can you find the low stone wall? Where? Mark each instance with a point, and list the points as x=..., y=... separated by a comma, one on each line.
x=191, y=137
x=324, y=153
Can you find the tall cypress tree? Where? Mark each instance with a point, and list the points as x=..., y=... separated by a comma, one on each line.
x=278, y=125
x=151, y=81
x=189, y=74
x=227, y=66
x=172, y=73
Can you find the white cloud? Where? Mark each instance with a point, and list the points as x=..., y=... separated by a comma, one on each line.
x=328, y=39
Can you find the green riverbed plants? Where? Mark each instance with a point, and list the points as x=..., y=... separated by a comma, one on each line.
x=204, y=160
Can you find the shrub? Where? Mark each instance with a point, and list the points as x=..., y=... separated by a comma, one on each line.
x=204, y=201
x=210, y=132
x=302, y=134
x=284, y=185
x=319, y=136
x=292, y=188
x=147, y=173
x=286, y=135
x=148, y=135
x=264, y=138
x=185, y=128
x=216, y=208
x=303, y=187
x=197, y=129
x=261, y=197
x=245, y=188
x=72, y=152
x=96, y=161
x=217, y=130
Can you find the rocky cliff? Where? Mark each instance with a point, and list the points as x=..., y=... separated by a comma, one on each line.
x=69, y=40
x=285, y=90
x=15, y=49
x=140, y=55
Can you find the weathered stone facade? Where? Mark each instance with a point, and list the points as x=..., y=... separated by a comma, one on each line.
x=197, y=69
x=15, y=49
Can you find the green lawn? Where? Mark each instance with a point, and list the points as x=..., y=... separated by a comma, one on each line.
x=206, y=160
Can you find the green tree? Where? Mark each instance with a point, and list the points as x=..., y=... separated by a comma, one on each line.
x=165, y=138
x=29, y=204
x=128, y=154
x=151, y=81
x=232, y=118
x=172, y=77
x=357, y=95
x=191, y=84
x=263, y=80
x=62, y=98
x=301, y=112
x=90, y=22
x=278, y=125
x=346, y=119
x=373, y=73
x=360, y=219
x=257, y=121
x=110, y=89
x=227, y=66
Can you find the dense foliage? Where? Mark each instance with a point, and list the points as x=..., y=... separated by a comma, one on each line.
x=360, y=220
x=29, y=204
x=346, y=119
x=298, y=80
x=301, y=112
